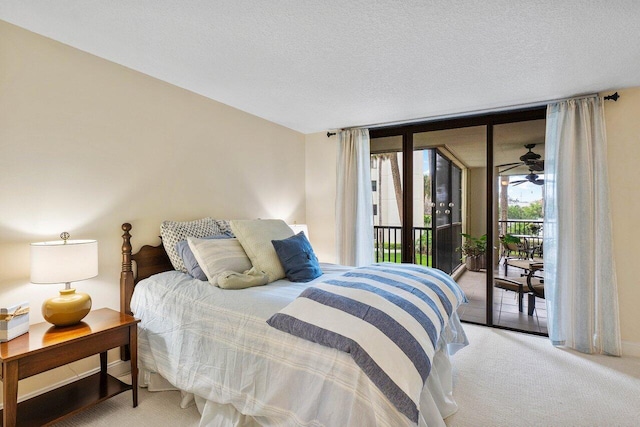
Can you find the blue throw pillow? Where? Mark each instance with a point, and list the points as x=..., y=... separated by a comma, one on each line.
x=297, y=258
x=189, y=260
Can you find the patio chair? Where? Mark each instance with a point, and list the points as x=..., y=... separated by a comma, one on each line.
x=514, y=250
x=538, y=251
x=512, y=245
x=518, y=285
x=535, y=286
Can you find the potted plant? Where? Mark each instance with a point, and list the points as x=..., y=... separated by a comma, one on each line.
x=509, y=238
x=534, y=228
x=511, y=243
x=474, y=250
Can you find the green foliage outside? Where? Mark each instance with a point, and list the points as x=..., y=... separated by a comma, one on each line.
x=523, y=228
x=423, y=244
x=425, y=260
x=397, y=258
x=390, y=257
x=508, y=238
x=427, y=186
x=531, y=211
x=388, y=246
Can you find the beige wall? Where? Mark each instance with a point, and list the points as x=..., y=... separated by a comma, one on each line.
x=623, y=131
x=320, y=173
x=477, y=201
x=623, y=135
x=86, y=144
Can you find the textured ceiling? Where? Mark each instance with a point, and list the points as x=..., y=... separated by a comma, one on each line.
x=317, y=65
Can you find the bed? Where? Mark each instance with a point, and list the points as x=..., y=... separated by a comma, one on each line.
x=216, y=346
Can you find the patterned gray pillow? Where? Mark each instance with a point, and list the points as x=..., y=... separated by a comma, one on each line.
x=174, y=231
x=225, y=227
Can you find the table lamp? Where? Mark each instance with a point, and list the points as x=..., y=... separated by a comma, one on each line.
x=64, y=261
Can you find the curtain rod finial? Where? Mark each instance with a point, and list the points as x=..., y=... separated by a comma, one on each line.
x=613, y=97
x=330, y=134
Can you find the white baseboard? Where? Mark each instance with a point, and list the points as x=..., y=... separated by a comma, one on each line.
x=117, y=368
x=455, y=275
x=631, y=349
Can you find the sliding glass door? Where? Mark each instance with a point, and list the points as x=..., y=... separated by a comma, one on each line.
x=519, y=201
x=459, y=206
x=425, y=192
x=440, y=181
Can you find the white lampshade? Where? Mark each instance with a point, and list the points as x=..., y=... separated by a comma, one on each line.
x=64, y=261
x=300, y=227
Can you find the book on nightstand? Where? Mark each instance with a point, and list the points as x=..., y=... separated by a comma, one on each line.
x=14, y=321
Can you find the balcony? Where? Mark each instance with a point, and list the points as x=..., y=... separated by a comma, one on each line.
x=523, y=227
x=388, y=238
x=387, y=244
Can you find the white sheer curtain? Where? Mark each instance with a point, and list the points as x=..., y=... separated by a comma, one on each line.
x=580, y=280
x=354, y=206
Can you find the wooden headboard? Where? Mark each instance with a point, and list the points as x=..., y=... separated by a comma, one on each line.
x=149, y=260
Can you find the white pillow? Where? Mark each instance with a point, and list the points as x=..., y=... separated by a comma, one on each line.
x=219, y=255
x=255, y=236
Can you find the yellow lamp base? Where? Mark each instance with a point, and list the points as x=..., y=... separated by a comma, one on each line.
x=67, y=309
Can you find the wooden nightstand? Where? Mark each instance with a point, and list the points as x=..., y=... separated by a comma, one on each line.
x=46, y=347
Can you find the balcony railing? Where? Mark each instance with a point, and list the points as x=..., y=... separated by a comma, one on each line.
x=388, y=244
x=524, y=227
x=388, y=239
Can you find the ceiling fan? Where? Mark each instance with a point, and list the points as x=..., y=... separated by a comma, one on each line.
x=530, y=159
x=532, y=178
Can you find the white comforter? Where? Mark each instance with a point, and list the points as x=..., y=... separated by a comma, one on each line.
x=216, y=344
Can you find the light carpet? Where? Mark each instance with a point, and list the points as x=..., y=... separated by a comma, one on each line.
x=502, y=379
x=512, y=379
x=157, y=409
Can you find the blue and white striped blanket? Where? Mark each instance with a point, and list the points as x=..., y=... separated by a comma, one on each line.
x=387, y=316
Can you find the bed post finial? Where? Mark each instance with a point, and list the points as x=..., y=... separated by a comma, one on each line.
x=126, y=275
x=126, y=247
x=126, y=281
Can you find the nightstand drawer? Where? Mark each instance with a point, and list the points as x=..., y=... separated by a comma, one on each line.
x=57, y=356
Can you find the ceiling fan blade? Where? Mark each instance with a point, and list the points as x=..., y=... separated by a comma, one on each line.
x=538, y=182
x=509, y=168
x=536, y=165
x=522, y=181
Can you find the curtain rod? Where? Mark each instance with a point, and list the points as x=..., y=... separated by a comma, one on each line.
x=613, y=97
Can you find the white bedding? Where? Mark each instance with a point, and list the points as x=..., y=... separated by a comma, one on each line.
x=216, y=344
